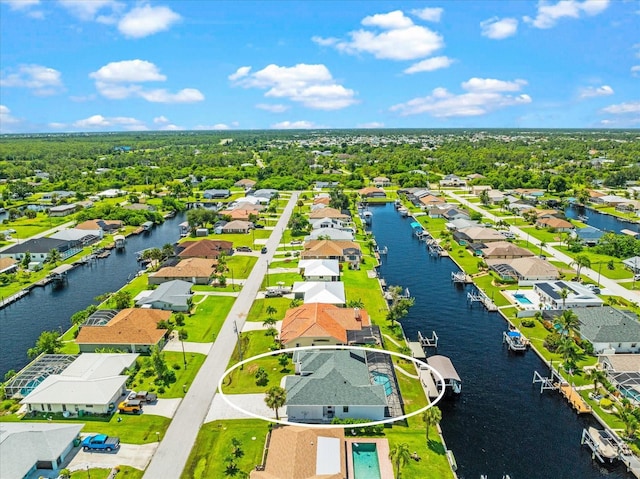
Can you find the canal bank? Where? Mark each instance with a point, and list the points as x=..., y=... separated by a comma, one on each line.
x=501, y=424
x=51, y=307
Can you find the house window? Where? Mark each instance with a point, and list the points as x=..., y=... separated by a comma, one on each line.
x=633, y=345
x=42, y=406
x=88, y=405
x=49, y=407
x=64, y=407
x=345, y=408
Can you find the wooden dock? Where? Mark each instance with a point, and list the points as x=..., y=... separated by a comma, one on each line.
x=480, y=297
x=556, y=382
x=14, y=297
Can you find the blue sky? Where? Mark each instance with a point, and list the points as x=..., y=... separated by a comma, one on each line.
x=110, y=65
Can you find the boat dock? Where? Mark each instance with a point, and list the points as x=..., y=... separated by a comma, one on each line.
x=461, y=277
x=14, y=297
x=431, y=342
x=556, y=382
x=515, y=341
x=480, y=297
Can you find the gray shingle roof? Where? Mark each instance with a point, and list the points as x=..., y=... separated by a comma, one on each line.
x=608, y=325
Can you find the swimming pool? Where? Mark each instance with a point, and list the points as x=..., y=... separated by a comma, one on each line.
x=521, y=298
x=365, y=460
x=383, y=380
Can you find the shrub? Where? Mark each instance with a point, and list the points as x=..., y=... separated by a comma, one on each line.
x=606, y=403
x=176, y=366
x=161, y=390
x=552, y=341
x=528, y=323
x=147, y=373
x=548, y=325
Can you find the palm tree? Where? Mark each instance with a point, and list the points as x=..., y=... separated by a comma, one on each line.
x=581, y=261
x=569, y=322
x=269, y=322
x=399, y=456
x=567, y=348
x=275, y=398
x=564, y=294
x=431, y=417
x=271, y=310
x=542, y=245
x=598, y=376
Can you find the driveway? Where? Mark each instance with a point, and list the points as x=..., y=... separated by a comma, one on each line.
x=258, y=326
x=250, y=402
x=162, y=407
x=134, y=455
x=175, y=345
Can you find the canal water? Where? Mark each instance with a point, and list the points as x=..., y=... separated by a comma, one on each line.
x=601, y=221
x=500, y=424
x=50, y=308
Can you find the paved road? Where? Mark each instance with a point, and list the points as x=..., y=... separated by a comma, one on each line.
x=173, y=452
x=61, y=227
x=612, y=286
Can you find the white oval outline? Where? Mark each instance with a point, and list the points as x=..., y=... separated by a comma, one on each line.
x=330, y=426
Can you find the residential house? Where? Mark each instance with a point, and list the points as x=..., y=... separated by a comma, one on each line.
x=609, y=330
x=333, y=384
x=550, y=293
x=8, y=265
x=525, y=270
x=476, y=190
x=460, y=224
x=304, y=453
x=205, y=248
x=327, y=223
x=27, y=446
x=38, y=248
x=319, y=185
x=622, y=372
x=609, y=200
x=372, y=192
x=76, y=237
x=330, y=233
x=93, y=383
x=632, y=263
x=245, y=183
x=239, y=214
x=193, y=270
x=132, y=329
x=237, y=226
x=329, y=292
x=452, y=180
x=322, y=200
x=59, y=194
x=451, y=213
x=171, y=296
x=63, y=210
x=629, y=207
x=496, y=197
x=319, y=269
x=101, y=226
x=139, y=207
x=323, y=324
x=328, y=213
x=111, y=193
x=589, y=235
x=504, y=250
x=431, y=201
x=381, y=181
x=343, y=251
x=265, y=193
x=556, y=224
x=477, y=234
x=213, y=194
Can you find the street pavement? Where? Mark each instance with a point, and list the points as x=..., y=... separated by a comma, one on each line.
x=173, y=452
x=614, y=289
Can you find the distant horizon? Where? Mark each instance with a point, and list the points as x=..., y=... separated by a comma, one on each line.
x=170, y=65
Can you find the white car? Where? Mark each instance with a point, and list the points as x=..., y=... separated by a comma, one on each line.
x=636, y=277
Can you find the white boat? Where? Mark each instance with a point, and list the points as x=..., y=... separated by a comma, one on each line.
x=603, y=444
x=583, y=218
x=367, y=217
x=403, y=211
x=514, y=340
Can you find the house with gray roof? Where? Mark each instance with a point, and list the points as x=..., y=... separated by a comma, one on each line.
x=38, y=248
x=610, y=330
x=632, y=263
x=333, y=384
x=27, y=447
x=216, y=193
x=171, y=296
x=588, y=235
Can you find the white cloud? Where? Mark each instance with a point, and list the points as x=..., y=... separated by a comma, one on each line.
x=635, y=70
x=273, y=108
x=388, y=21
x=217, y=126
x=591, y=91
x=128, y=71
x=623, y=108
x=57, y=125
x=548, y=14
x=6, y=118
x=160, y=120
x=120, y=80
x=39, y=79
x=498, y=29
x=87, y=10
x=293, y=125
x=99, y=121
x=400, y=39
x=146, y=20
x=311, y=85
x=429, y=14
x=172, y=127
x=429, y=65
x=240, y=72
x=483, y=96
x=372, y=124
x=21, y=4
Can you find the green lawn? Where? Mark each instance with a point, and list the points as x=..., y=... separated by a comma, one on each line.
x=358, y=286
x=183, y=376
x=241, y=265
x=26, y=228
x=542, y=234
x=126, y=472
x=207, y=318
x=93, y=474
x=213, y=444
x=258, y=311
x=287, y=278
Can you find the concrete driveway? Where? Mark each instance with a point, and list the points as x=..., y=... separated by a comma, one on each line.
x=162, y=407
x=249, y=402
x=134, y=455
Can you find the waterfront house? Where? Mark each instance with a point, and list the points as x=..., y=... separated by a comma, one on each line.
x=105, y=226
x=26, y=447
x=329, y=292
x=609, y=330
x=193, y=270
x=578, y=295
x=504, y=250
x=328, y=212
x=556, y=224
x=237, y=226
x=622, y=372
x=322, y=324
x=381, y=181
x=63, y=210
x=589, y=235
x=241, y=214
x=76, y=237
x=205, y=248
x=609, y=200
x=38, y=248
x=431, y=201
x=132, y=329
x=326, y=223
x=171, y=296
x=8, y=265
x=343, y=251
x=525, y=270
x=333, y=384
x=319, y=269
x=477, y=234
x=92, y=383
x=304, y=453
x=330, y=233
x=216, y=194
x=372, y=192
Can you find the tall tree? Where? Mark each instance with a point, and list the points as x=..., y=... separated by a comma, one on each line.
x=48, y=342
x=399, y=456
x=581, y=261
x=275, y=398
x=569, y=322
x=431, y=417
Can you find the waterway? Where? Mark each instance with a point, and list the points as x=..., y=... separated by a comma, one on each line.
x=500, y=424
x=601, y=221
x=50, y=308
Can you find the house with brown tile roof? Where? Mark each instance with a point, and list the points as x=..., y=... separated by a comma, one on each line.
x=328, y=213
x=8, y=265
x=205, y=248
x=245, y=183
x=372, y=192
x=304, y=453
x=237, y=226
x=504, y=249
x=557, y=224
x=100, y=226
x=322, y=200
x=133, y=330
x=314, y=323
x=524, y=270
x=342, y=250
x=381, y=181
x=431, y=201
x=242, y=214
x=477, y=234
x=193, y=270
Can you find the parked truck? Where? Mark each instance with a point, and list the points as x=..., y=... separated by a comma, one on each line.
x=131, y=406
x=144, y=396
x=100, y=442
